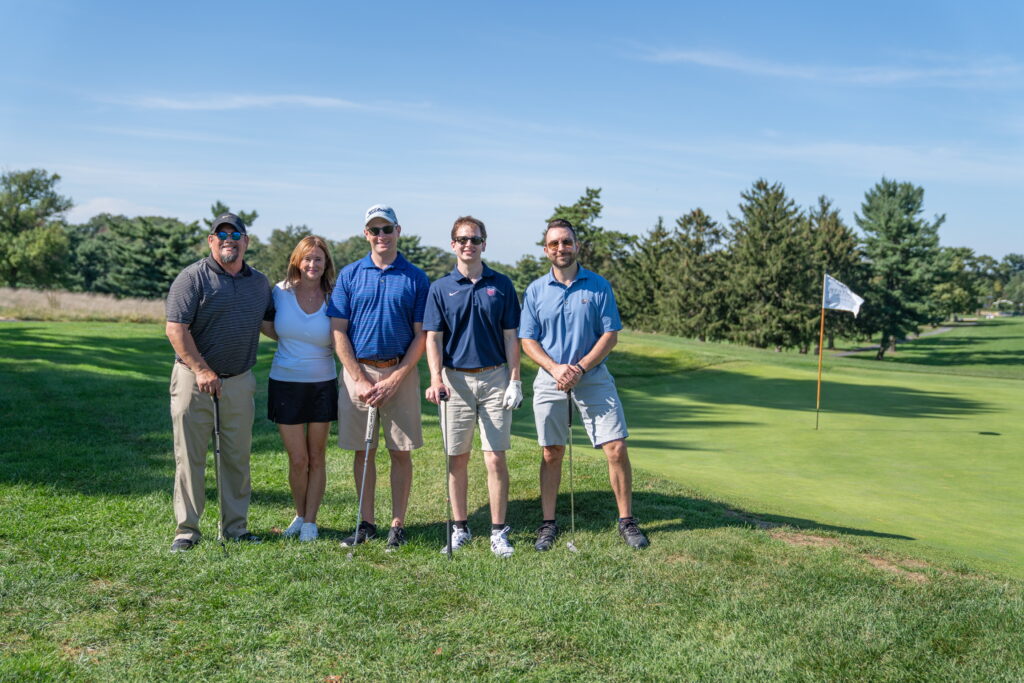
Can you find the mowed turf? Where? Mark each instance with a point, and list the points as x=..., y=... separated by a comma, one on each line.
x=931, y=459
x=88, y=590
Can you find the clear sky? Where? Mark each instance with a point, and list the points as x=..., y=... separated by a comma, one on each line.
x=309, y=112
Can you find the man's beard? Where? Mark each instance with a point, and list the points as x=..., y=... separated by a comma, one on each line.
x=229, y=257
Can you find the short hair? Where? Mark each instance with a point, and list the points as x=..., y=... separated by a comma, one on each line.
x=469, y=220
x=306, y=245
x=560, y=223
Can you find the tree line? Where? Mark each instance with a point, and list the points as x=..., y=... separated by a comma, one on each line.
x=754, y=279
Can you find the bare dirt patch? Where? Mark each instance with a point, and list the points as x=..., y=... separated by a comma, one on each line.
x=680, y=559
x=798, y=539
x=886, y=565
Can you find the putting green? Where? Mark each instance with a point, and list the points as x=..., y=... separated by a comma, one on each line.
x=924, y=458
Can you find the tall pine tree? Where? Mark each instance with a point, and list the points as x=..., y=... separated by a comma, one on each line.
x=902, y=249
x=692, y=303
x=769, y=287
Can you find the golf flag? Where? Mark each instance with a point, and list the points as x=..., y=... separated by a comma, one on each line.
x=838, y=296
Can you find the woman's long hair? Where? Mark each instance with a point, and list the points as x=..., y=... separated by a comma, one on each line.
x=306, y=245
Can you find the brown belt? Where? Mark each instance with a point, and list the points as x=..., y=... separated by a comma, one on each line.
x=476, y=370
x=390, y=362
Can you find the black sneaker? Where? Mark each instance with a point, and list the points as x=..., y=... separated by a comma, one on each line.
x=182, y=545
x=366, y=532
x=632, y=535
x=396, y=538
x=546, y=536
x=247, y=537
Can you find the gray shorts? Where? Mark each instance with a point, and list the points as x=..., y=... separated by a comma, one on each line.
x=477, y=399
x=596, y=399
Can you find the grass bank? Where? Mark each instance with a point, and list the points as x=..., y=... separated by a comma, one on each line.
x=88, y=589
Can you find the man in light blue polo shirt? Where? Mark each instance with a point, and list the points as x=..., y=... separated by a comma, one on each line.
x=376, y=313
x=569, y=325
x=473, y=352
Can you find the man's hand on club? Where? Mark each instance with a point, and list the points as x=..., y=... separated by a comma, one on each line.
x=383, y=391
x=437, y=390
x=208, y=381
x=566, y=376
x=513, y=394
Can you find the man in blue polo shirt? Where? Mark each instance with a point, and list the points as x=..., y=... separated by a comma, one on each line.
x=473, y=353
x=376, y=313
x=570, y=324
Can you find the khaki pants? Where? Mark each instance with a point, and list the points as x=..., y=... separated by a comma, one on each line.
x=192, y=419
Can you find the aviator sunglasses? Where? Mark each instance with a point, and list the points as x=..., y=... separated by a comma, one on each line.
x=386, y=229
x=462, y=239
x=233, y=235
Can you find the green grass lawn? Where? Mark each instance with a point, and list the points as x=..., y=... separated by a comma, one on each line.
x=928, y=458
x=857, y=584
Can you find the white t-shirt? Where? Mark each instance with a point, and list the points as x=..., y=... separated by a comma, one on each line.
x=305, y=352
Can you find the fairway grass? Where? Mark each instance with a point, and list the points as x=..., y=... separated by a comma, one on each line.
x=855, y=584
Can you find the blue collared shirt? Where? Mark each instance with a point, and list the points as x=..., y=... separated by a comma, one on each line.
x=381, y=305
x=568, y=321
x=472, y=317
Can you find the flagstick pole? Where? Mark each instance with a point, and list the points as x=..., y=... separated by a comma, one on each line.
x=821, y=352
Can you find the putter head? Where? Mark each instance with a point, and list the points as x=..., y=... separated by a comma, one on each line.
x=570, y=546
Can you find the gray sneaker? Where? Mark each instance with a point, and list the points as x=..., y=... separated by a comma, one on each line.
x=182, y=545
x=396, y=539
x=365, y=532
x=460, y=537
x=546, y=536
x=632, y=535
x=500, y=545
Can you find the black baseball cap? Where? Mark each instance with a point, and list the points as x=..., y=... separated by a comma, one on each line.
x=228, y=219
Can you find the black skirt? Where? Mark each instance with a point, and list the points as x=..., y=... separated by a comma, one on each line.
x=296, y=403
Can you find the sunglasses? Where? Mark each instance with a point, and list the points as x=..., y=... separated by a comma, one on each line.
x=233, y=235
x=386, y=229
x=472, y=240
x=554, y=244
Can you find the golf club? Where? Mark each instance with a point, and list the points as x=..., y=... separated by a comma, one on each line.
x=371, y=428
x=216, y=472
x=571, y=544
x=442, y=417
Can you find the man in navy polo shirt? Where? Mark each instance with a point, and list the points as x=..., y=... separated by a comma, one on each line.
x=570, y=324
x=473, y=352
x=376, y=313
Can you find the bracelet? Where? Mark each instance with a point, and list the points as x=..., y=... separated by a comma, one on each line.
x=580, y=368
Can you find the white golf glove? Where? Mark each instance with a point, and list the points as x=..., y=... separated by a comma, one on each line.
x=513, y=395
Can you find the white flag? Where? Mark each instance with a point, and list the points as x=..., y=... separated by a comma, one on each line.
x=838, y=296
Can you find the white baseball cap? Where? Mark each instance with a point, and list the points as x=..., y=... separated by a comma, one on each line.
x=381, y=211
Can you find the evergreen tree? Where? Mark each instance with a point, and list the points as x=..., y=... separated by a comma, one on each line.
x=692, y=303
x=435, y=261
x=527, y=269
x=902, y=249
x=147, y=253
x=641, y=280
x=272, y=257
x=33, y=242
x=961, y=283
x=771, y=280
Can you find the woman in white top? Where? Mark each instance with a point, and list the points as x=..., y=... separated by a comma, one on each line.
x=303, y=392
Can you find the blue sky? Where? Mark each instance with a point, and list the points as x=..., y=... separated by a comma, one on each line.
x=310, y=112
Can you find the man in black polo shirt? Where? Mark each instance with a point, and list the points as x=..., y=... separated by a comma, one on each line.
x=215, y=309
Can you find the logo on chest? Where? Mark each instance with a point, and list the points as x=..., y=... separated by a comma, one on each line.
x=491, y=291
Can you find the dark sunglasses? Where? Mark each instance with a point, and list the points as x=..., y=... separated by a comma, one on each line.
x=233, y=235
x=386, y=229
x=554, y=244
x=474, y=240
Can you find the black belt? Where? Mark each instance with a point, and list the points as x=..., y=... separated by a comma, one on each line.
x=221, y=375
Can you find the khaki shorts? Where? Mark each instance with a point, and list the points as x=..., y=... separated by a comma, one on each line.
x=399, y=417
x=477, y=398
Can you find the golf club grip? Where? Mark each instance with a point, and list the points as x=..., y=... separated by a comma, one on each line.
x=371, y=424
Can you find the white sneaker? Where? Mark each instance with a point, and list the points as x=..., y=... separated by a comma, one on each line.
x=499, y=543
x=293, y=528
x=460, y=537
x=308, y=532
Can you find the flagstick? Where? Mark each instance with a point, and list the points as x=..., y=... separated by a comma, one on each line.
x=821, y=352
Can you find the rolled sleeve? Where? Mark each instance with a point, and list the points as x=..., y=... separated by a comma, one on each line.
x=610, y=321
x=528, y=328
x=433, y=318
x=339, y=306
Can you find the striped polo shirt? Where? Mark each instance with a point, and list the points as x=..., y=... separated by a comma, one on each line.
x=381, y=305
x=223, y=312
